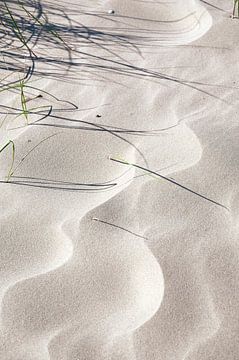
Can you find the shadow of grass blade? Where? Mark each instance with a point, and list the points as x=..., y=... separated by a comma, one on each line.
x=15, y=28
x=54, y=33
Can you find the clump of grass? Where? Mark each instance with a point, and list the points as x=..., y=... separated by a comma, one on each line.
x=10, y=143
x=12, y=24
x=235, y=12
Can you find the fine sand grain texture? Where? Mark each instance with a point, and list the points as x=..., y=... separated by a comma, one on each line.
x=119, y=180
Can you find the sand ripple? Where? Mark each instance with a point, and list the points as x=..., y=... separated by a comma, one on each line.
x=98, y=260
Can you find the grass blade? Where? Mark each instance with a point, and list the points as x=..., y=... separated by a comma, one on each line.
x=169, y=180
x=10, y=143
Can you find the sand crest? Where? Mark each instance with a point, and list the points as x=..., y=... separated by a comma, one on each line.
x=119, y=183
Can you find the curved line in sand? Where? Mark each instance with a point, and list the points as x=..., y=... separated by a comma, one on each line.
x=49, y=338
x=200, y=25
x=193, y=22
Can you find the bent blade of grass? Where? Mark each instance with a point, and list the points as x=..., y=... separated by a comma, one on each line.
x=120, y=228
x=10, y=143
x=31, y=150
x=169, y=180
x=23, y=101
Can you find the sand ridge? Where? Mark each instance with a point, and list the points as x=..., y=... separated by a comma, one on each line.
x=161, y=281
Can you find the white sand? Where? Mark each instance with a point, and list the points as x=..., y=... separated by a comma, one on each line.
x=164, y=283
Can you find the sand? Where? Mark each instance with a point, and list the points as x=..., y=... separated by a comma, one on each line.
x=101, y=259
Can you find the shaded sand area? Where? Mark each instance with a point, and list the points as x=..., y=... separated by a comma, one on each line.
x=119, y=180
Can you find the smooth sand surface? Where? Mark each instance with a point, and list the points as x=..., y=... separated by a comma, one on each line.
x=101, y=260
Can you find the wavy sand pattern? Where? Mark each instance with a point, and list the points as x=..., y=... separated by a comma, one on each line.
x=101, y=260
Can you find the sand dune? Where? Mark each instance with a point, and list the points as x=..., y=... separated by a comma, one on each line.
x=101, y=259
